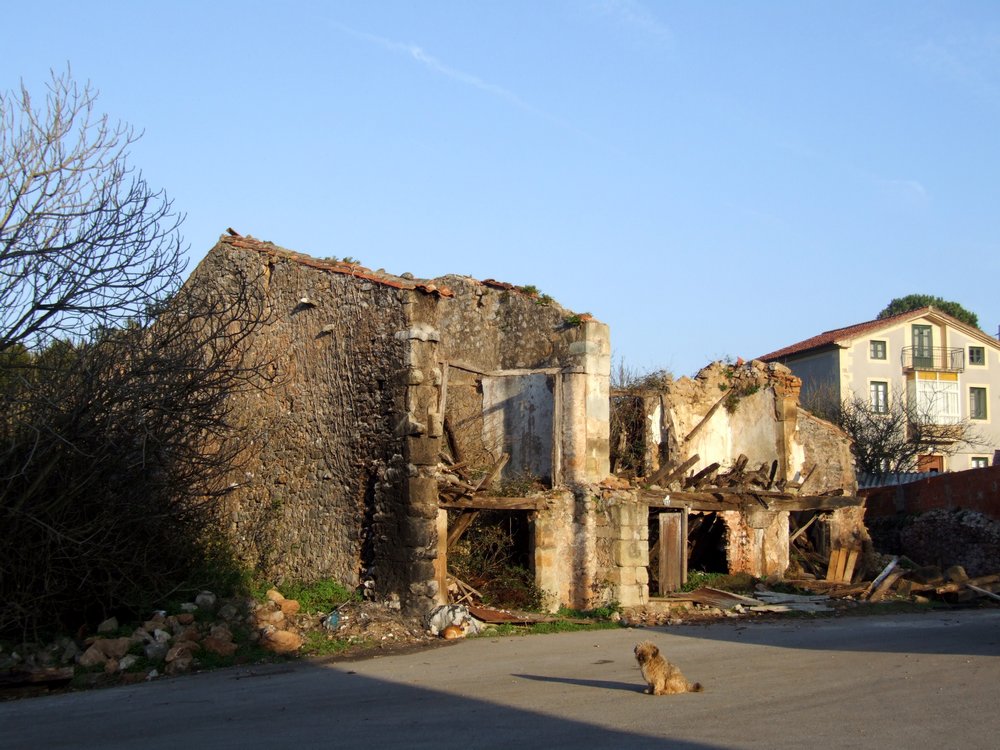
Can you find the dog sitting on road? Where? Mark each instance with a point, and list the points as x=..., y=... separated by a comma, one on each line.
x=662, y=677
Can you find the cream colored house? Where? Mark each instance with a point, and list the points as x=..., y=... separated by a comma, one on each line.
x=948, y=372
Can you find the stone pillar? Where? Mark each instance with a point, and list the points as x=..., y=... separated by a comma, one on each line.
x=554, y=553
x=586, y=406
x=624, y=536
x=422, y=425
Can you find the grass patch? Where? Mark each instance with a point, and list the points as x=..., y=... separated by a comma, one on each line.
x=543, y=628
x=737, y=583
x=325, y=644
x=318, y=596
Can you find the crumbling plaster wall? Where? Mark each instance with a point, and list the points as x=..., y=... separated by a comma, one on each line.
x=752, y=409
x=493, y=329
x=325, y=467
x=541, y=375
x=828, y=448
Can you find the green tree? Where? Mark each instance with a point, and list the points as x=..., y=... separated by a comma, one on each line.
x=901, y=305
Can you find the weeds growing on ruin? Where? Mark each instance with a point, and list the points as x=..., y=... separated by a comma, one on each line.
x=628, y=422
x=492, y=558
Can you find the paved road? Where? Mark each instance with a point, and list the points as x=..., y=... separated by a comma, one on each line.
x=912, y=681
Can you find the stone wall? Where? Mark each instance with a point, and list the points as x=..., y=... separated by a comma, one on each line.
x=524, y=374
x=752, y=409
x=622, y=549
x=828, y=448
x=342, y=452
x=325, y=461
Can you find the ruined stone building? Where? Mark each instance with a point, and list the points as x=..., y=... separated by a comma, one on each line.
x=382, y=382
x=342, y=479
x=731, y=464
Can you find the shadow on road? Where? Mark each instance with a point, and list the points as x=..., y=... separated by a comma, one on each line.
x=307, y=706
x=959, y=633
x=630, y=687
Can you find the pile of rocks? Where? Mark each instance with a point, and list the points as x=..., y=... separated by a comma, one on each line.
x=168, y=643
x=953, y=537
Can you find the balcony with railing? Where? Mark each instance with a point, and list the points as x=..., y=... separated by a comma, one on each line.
x=937, y=358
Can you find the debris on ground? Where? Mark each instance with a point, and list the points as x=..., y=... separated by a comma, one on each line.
x=453, y=621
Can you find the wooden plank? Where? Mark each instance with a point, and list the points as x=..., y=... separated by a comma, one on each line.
x=443, y=392
x=488, y=614
x=718, y=598
x=852, y=561
x=26, y=676
x=703, y=476
x=461, y=525
x=494, y=472
x=772, y=473
x=729, y=498
x=802, y=529
x=708, y=416
x=684, y=546
x=441, y=558
x=950, y=588
x=885, y=586
x=489, y=502
x=666, y=475
x=842, y=564
x=815, y=502
x=982, y=591
x=672, y=547
x=831, y=570
x=881, y=577
x=451, y=440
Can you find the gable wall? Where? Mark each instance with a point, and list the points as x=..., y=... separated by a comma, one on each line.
x=325, y=461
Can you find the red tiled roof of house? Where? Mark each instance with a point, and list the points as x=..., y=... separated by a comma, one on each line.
x=838, y=335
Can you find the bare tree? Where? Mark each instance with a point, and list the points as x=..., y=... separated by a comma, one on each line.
x=628, y=423
x=888, y=438
x=84, y=241
x=119, y=434
x=116, y=456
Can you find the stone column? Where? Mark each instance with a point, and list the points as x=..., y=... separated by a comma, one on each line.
x=586, y=406
x=423, y=427
x=625, y=536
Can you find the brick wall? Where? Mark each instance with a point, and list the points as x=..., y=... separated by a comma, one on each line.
x=975, y=489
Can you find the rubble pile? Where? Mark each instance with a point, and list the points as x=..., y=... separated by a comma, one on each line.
x=953, y=537
x=372, y=622
x=205, y=632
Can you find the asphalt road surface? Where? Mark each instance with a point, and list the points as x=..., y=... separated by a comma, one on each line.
x=900, y=681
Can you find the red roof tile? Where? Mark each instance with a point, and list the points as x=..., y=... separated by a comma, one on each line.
x=847, y=334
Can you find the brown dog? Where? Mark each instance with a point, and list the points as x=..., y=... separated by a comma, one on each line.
x=662, y=677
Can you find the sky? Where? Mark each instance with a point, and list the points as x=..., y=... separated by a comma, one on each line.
x=711, y=179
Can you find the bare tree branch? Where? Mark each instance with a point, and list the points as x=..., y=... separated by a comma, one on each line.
x=84, y=240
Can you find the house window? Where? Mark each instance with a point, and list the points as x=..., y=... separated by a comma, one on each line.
x=977, y=403
x=980, y=462
x=977, y=355
x=879, y=391
x=876, y=349
x=934, y=400
x=923, y=347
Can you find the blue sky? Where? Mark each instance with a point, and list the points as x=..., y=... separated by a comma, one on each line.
x=711, y=179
